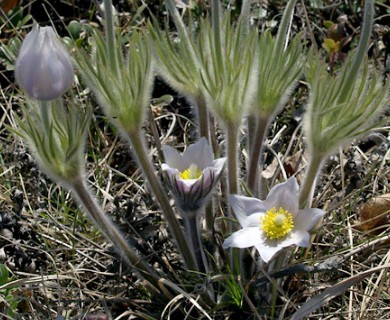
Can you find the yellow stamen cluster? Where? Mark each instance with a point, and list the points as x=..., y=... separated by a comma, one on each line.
x=277, y=223
x=192, y=172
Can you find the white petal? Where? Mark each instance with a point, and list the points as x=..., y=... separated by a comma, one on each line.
x=169, y=170
x=254, y=219
x=307, y=219
x=188, y=182
x=244, y=207
x=244, y=238
x=284, y=195
x=299, y=238
x=209, y=178
x=218, y=164
x=199, y=153
x=266, y=251
x=173, y=158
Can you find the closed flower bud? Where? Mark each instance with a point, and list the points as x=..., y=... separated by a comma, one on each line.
x=44, y=67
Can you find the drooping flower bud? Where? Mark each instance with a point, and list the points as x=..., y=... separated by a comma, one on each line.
x=44, y=67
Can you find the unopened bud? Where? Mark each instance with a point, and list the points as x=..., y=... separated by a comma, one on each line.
x=44, y=67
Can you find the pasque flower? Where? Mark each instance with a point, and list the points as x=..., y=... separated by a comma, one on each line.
x=44, y=67
x=274, y=223
x=193, y=174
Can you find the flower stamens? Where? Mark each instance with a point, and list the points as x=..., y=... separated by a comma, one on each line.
x=277, y=223
x=193, y=172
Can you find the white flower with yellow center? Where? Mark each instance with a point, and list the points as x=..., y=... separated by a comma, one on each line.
x=193, y=174
x=274, y=223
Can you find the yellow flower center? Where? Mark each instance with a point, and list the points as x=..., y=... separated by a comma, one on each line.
x=277, y=223
x=192, y=172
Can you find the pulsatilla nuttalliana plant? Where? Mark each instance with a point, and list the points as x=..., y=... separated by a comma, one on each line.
x=226, y=69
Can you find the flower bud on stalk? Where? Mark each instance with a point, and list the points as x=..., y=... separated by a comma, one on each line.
x=192, y=176
x=44, y=67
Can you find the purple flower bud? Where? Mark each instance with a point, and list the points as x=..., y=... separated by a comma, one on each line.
x=44, y=67
x=192, y=175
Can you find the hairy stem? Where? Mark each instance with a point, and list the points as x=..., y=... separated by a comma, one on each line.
x=110, y=36
x=216, y=26
x=256, y=154
x=313, y=169
x=281, y=38
x=232, y=157
x=44, y=112
x=361, y=50
x=203, y=117
x=193, y=230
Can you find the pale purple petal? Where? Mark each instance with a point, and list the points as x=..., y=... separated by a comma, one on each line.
x=199, y=153
x=244, y=238
x=266, y=251
x=308, y=218
x=284, y=195
x=210, y=178
x=44, y=67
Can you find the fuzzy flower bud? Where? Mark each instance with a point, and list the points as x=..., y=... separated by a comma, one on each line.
x=44, y=67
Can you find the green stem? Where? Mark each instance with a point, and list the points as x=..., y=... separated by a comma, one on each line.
x=193, y=231
x=232, y=157
x=250, y=135
x=209, y=218
x=368, y=19
x=110, y=36
x=181, y=28
x=284, y=25
x=136, y=141
x=43, y=108
x=245, y=16
x=203, y=117
x=215, y=16
x=312, y=170
x=105, y=225
x=257, y=150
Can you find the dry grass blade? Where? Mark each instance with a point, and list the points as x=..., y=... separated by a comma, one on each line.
x=328, y=294
x=165, y=282
x=33, y=280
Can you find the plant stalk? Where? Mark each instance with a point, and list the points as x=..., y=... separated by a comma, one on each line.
x=232, y=157
x=44, y=112
x=256, y=154
x=203, y=116
x=193, y=230
x=361, y=52
x=110, y=36
x=313, y=169
x=281, y=38
x=216, y=26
